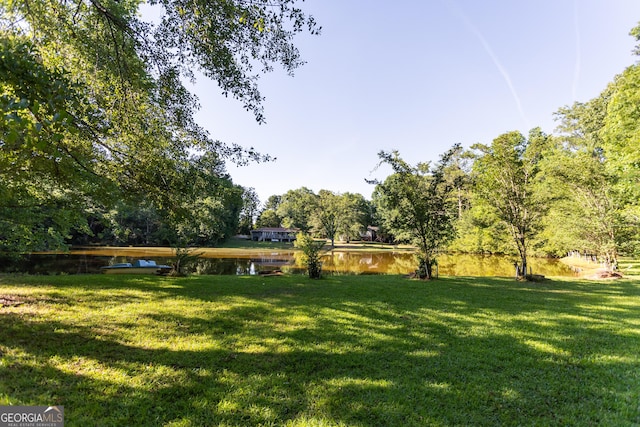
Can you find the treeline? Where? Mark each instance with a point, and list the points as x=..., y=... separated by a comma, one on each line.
x=207, y=220
x=99, y=145
x=98, y=137
x=540, y=194
x=576, y=190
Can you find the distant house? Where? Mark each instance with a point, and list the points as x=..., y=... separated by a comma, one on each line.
x=274, y=234
x=371, y=234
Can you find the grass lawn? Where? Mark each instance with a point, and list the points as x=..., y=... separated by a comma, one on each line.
x=344, y=350
x=356, y=246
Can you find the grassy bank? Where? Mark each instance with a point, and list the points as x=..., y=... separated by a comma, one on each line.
x=346, y=350
x=235, y=247
x=245, y=244
x=626, y=266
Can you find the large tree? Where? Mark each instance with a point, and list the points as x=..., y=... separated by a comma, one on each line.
x=268, y=216
x=296, y=208
x=596, y=165
x=357, y=214
x=621, y=132
x=249, y=211
x=621, y=148
x=335, y=214
x=94, y=106
x=416, y=204
x=505, y=177
x=327, y=214
x=585, y=215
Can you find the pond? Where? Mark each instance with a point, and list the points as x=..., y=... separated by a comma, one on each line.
x=251, y=262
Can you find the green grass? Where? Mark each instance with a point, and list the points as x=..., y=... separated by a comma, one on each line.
x=629, y=266
x=246, y=244
x=235, y=243
x=345, y=350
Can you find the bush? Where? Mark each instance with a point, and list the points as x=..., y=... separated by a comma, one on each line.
x=183, y=257
x=311, y=254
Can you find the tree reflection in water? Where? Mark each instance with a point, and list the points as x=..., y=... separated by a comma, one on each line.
x=333, y=262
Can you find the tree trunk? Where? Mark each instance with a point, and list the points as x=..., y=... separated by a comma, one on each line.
x=315, y=269
x=523, y=257
x=425, y=268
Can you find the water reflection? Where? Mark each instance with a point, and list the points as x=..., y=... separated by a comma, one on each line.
x=237, y=266
x=497, y=265
x=334, y=262
x=368, y=262
x=448, y=264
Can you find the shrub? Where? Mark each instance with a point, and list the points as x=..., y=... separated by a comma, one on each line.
x=183, y=257
x=311, y=254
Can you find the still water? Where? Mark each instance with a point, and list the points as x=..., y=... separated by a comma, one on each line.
x=238, y=263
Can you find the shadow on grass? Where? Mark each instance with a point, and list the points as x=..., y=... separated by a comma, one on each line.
x=374, y=351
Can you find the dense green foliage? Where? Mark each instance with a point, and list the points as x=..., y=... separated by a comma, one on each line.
x=310, y=256
x=296, y=208
x=586, y=213
x=94, y=110
x=545, y=195
x=98, y=143
x=505, y=175
x=343, y=215
x=415, y=203
x=249, y=211
x=344, y=351
x=326, y=214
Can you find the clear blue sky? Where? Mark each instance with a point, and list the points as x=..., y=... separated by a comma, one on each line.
x=419, y=76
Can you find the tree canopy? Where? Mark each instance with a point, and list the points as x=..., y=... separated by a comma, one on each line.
x=98, y=137
x=94, y=105
x=505, y=176
x=416, y=204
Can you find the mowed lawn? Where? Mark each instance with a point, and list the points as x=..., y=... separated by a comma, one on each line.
x=344, y=350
